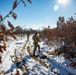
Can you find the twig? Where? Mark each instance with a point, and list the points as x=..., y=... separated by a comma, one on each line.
x=10, y=11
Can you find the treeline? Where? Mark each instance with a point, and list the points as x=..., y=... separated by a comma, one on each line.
x=24, y=31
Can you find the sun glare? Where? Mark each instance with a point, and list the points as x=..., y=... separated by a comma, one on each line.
x=56, y=7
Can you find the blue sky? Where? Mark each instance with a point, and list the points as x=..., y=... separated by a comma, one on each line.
x=40, y=13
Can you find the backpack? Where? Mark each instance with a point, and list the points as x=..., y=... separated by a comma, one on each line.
x=35, y=38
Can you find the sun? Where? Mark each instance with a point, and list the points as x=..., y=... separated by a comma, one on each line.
x=63, y=2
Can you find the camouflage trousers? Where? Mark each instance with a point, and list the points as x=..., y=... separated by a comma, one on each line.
x=27, y=37
x=35, y=48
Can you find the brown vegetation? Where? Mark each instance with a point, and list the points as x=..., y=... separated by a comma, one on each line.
x=65, y=32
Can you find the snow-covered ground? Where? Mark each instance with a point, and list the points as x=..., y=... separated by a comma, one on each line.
x=17, y=59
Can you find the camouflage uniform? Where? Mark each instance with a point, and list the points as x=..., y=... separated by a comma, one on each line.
x=36, y=40
x=27, y=33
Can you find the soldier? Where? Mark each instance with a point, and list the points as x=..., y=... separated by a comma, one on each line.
x=36, y=40
x=28, y=33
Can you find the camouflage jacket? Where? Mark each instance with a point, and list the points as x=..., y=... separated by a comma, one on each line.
x=36, y=39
